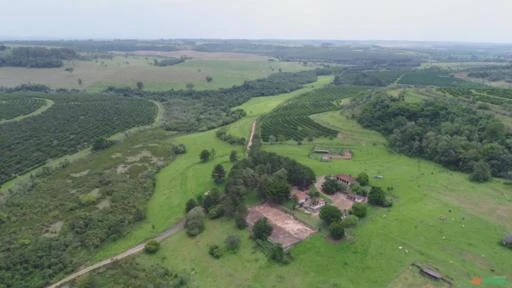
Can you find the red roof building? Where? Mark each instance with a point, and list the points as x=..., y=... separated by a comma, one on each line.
x=347, y=179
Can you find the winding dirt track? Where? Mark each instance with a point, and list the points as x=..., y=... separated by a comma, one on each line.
x=253, y=130
x=134, y=250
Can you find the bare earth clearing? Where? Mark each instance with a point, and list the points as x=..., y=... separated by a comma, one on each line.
x=287, y=231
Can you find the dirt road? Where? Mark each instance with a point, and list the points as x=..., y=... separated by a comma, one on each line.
x=253, y=129
x=134, y=250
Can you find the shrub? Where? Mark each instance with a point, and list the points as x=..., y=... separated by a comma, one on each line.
x=363, y=179
x=278, y=254
x=232, y=242
x=377, y=196
x=262, y=229
x=191, y=204
x=194, y=222
x=204, y=156
x=359, y=210
x=179, y=149
x=330, y=214
x=151, y=247
x=101, y=144
x=336, y=230
x=240, y=222
x=215, y=251
x=350, y=221
x=481, y=172
x=218, y=174
x=216, y=212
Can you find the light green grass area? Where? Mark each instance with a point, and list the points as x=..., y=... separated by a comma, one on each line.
x=186, y=177
x=261, y=105
x=125, y=71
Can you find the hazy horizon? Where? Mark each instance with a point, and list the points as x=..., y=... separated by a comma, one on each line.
x=367, y=20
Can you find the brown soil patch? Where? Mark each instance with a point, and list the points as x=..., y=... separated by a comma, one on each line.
x=287, y=231
x=341, y=201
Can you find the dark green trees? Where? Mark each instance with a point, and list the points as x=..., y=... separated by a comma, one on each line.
x=205, y=155
x=330, y=214
x=261, y=229
x=218, y=173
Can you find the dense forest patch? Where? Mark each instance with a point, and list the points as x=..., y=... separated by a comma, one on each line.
x=445, y=131
x=435, y=77
x=73, y=123
x=36, y=57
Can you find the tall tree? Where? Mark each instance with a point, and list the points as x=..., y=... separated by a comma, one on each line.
x=218, y=173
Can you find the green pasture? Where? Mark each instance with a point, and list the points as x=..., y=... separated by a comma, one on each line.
x=123, y=71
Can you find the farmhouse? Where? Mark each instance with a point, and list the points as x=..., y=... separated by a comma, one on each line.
x=346, y=179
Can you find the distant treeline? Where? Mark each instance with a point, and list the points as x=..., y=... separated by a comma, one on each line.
x=169, y=61
x=110, y=45
x=445, y=131
x=493, y=73
x=191, y=110
x=35, y=57
x=364, y=56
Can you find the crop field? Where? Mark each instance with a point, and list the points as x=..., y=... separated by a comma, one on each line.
x=259, y=106
x=291, y=121
x=12, y=107
x=71, y=124
x=122, y=71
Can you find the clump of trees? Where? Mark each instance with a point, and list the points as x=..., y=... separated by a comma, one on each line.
x=443, y=130
x=37, y=57
x=223, y=135
x=169, y=61
x=330, y=214
x=359, y=210
x=101, y=144
x=194, y=221
x=378, y=197
x=261, y=229
x=218, y=174
x=233, y=156
x=332, y=185
x=178, y=149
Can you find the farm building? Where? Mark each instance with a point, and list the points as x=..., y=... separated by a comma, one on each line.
x=301, y=197
x=346, y=179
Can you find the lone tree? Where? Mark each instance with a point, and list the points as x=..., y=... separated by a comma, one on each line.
x=481, y=172
x=194, y=221
x=140, y=85
x=336, y=230
x=377, y=196
x=233, y=157
x=262, y=229
x=218, y=173
x=209, y=79
x=80, y=82
x=205, y=156
x=363, y=179
x=232, y=242
x=330, y=214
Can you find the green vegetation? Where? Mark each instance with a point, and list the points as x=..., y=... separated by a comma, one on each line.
x=291, y=121
x=368, y=78
x=169, y=61
x=337, y=230
x=261, y=229
x=194, y=223
x=330, y=214
x=66, y=214
x=71, y=124
x=36, y=57
x=13, y=106
x=435, y=76
x=152, y=247
x=445, y=131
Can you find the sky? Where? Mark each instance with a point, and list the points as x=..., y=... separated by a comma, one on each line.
x=425, y=20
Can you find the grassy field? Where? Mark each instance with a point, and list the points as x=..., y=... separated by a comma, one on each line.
x=463, y=246
x=127, y=70
x=185, y=178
